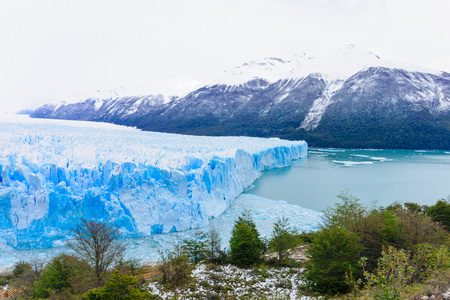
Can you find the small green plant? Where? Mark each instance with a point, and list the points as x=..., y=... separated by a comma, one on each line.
x=346, y=213
x=4, y=280
x=263, y=271
x=306, y=237
x=393, y=272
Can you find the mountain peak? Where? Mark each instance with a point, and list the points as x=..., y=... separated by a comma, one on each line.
x=340, y=64
x=270, y=69
x=353, y=50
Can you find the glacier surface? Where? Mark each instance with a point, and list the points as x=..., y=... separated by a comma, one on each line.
x=53, y=173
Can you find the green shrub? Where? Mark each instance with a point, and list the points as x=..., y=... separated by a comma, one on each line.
x=393, y=272
x=306, y=237
x=119, y=287
x=333, y=254
x=440, y=212
x=245, y=243
x=4, y=280
x=263, y=271
x=62, y=274
x=345, y=214
x=20, y=267
x=401, y=226
x=428, y=261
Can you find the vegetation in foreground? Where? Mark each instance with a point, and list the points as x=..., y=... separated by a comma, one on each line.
x=397, y=252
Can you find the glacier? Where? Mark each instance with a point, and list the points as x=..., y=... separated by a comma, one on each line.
x=53, y=173
x=265, y=213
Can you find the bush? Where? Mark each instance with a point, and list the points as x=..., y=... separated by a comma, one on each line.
x=130, y=265
x=26, y=275
x=306, y=237
x=417, y=228
x=333, y=254
x=400, y=226
x=283, y=238
x=175, y=267
x=428, y=261
x=345, y=214
x=63, y=273
x=376, y=234
x=196, y=247
x=119, y=287
x=393, y=272
x=4, y=280
x=245, y=244
x=440, y=212
x=20, y=267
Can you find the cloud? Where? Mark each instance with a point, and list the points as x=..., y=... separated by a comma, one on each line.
x=52, y=49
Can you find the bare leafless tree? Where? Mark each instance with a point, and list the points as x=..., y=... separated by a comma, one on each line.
x=98, y=244
x=213, y=244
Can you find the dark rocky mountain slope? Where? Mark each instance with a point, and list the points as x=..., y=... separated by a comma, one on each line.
x=352, y=100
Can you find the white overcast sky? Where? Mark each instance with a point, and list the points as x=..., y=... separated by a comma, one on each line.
x=50, y=50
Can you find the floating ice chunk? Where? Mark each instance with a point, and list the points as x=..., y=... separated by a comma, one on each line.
x=381, y=159
x=349, y=163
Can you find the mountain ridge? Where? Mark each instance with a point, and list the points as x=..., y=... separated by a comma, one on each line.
x=369, y=99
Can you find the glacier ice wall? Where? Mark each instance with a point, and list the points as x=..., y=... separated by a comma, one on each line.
x=54, y=173
x=265, y=212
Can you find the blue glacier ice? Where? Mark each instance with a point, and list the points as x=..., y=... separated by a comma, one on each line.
x=265, y=212
x=54, y=173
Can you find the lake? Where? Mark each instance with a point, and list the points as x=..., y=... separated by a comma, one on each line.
x=374, y=176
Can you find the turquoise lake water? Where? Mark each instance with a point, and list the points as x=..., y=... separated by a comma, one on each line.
x=374, y=176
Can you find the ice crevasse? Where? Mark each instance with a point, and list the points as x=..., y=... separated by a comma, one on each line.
x=54, y=173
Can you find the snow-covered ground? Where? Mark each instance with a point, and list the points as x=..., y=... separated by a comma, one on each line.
x=220, y=282
x=53, y=173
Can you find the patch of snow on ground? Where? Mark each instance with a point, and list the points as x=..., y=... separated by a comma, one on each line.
x=223, y=281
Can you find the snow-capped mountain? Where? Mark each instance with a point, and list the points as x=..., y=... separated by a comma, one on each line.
x=123, y=105
x=350, y=98
x=269, y=69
